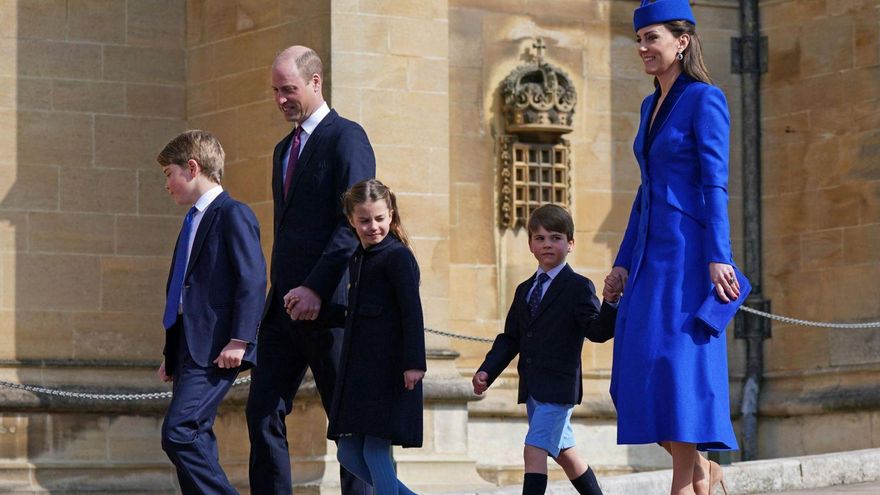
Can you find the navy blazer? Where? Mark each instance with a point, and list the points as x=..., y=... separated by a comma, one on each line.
x=313, y=240
x=549, y=345
x=224, y=285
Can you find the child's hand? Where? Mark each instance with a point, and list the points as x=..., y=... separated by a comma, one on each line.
x=231, y=355
x=481, y=382
x=302, y=303
x=411, y=377
x=614, y=283
x=162, y=374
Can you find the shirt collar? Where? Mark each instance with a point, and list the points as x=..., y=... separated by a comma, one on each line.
x=552, y=273
x=309, y=125
x=208, y=197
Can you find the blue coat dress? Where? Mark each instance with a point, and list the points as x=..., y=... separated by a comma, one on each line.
x=669, y=375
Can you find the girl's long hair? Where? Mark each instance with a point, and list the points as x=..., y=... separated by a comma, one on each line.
x=371, y=190
x=692, y=64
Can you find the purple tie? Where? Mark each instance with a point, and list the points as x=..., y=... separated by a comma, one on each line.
x=291, y=160
x=537, y=293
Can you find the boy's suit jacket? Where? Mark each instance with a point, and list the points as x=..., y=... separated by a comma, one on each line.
x=224, y=286
x=549, y=345
x=313, y=240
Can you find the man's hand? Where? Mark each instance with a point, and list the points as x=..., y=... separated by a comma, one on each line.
x=302, y=303
x=411, y=377
x=162, y=374
x=481, y=382
x=230, y=356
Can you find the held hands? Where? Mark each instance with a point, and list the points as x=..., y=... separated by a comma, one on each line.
x=614, y=284
x=411, y=377
x=724, y=279
x=230, y=356
x=481, y=382
x=165, y=377
x=302, y=303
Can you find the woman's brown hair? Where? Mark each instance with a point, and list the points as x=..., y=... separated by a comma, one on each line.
x=692, y=64
x=371, y=190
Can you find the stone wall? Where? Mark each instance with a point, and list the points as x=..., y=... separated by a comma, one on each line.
x=821, y=200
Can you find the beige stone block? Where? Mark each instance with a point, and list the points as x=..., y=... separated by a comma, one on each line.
x=133, y=283
x=96, y=20
x=244, y=88
x=70, y=233
x=159, y=23
x=144, y=64
x=210, y=21
x=202, y=99
x=360, y=33
x=834, y=432
x=152, y=198
x=41, y=334
x=433, y=258
x=598, y=211
x=224, y=125
x=133, y=438
x=249, y=180
x=775, y=176
x=477, y=284
x=235, y=55
x=425, y=215
x=465, y=39
x=822, y=249
x=200, y=64
x=855, y=346
x=418, y=37
x=39, y=18
x=28, y=94
x=430, y=75
x=782, y=255
x=58, y=59
x=13, y=437
x=867, y=46
x=785, y=215
x=81, y=437
x=13, y=231
x=796, y=348
x=403, y=168
x=56, y=282
x=791, y=12
x=472, y=160
x=88, y=96
x=98, y=190
x=781, y=437
x=259, y=129
x=861, y=244
x=821, y=54
x=156, y=100
x=132, y=142
x=30, y=188
x=833, y=207
x=418, y=9
x=862, y=85
x=70, y=135
x=120, y=335
x=414, y=118
x=475, y=221
x=850, y=291
x=141, y=235
x=383, y=72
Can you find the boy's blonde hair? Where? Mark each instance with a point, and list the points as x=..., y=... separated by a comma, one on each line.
x=201, y=146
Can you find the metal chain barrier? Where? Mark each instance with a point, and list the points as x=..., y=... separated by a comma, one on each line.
x=247, y=379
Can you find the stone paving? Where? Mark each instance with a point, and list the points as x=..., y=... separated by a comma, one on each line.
x=859, y=489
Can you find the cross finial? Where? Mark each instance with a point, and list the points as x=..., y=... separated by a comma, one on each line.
x=539, y=47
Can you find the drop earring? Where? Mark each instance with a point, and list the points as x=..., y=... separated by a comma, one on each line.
x=679, y=56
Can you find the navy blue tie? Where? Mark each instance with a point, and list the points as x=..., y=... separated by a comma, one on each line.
x=537, y=292
x=172, y=301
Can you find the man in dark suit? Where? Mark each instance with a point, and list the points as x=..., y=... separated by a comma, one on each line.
x=214, y=299
x=551, y=315
x=312, y=167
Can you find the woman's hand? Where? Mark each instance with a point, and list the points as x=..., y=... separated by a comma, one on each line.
x=724, y=279
x=614, y=284
x=411, y=377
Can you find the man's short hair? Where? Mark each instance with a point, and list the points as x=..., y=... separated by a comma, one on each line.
x=309, y=63
x=553, y=218
x=201, y=146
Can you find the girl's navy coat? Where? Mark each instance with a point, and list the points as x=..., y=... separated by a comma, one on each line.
x=384, y=336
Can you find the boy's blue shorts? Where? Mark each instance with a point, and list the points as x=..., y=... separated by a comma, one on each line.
x=549, y=426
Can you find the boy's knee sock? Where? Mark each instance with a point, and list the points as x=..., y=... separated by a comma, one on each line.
x=534, y=484
x=587, y=484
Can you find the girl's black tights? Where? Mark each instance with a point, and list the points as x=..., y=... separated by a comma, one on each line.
x=369, y=458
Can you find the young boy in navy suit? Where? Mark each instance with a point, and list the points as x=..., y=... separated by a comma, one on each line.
x=552, y=312
x=214, y=301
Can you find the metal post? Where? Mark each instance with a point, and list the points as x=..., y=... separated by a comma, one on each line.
x=750, y=62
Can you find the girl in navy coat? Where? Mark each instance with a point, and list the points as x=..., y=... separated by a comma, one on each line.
x=669, y=377
x=378, y=396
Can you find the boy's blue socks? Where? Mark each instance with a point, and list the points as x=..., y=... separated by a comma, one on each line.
x=587, y=484
x=534, y=484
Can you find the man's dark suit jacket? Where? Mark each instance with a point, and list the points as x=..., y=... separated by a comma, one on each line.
x=313, y=240
x=549, y=345
x=224, y=285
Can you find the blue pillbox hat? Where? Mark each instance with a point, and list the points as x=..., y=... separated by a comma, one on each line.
x=662, y=11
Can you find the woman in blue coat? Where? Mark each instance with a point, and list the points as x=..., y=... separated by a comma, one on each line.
x=669, y=376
